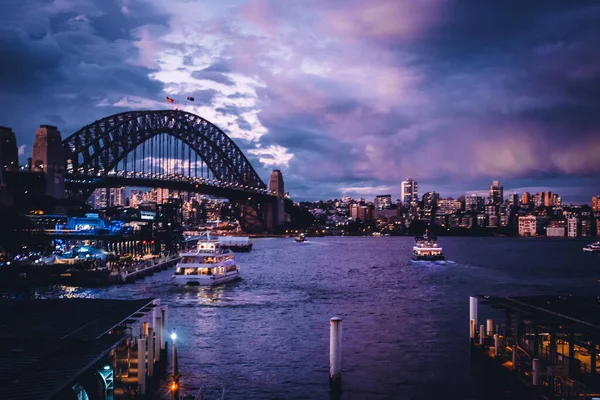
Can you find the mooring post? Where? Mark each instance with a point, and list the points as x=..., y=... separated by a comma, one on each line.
x=159, y=333
x=335, y=352
x=142, y=365
x=481, y=334
x=150, y=352
x=496, y=344
x=536, y=370
x=472, y=329
x=164, y=310
x=473, y=308
x=490, y=327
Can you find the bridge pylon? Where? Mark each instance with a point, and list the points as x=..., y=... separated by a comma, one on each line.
x=48, y=158
x=275, y=212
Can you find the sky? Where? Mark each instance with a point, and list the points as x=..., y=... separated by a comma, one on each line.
x=345, y=97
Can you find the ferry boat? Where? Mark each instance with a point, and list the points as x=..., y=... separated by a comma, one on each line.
x=300, y=238
x=427, y=249
x=209, y=265
x=592, y=248
x=236, y=243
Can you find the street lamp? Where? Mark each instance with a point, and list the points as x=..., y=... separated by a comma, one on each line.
x=175, y=383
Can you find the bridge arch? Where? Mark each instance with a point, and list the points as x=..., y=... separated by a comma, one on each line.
x=102, y=144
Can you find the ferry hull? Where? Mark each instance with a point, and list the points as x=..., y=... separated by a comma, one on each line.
x=429, y=258
x=204, y=280
x=591, y=250
x=239, y=248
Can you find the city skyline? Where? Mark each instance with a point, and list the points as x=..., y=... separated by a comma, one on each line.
x=516, y=102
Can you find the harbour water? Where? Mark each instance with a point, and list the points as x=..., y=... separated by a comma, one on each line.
x=405, y=327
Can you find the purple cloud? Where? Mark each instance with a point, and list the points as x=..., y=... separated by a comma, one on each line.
x=341, y=95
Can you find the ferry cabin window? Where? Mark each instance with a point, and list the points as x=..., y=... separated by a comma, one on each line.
x=189, y=260
x=230, y=268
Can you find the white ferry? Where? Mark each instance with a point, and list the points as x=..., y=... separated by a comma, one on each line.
x=592, y=248
x=209, y=265
x=427, y=249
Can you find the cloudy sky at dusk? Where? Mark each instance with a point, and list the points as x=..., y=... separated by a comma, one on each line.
x=345, y=97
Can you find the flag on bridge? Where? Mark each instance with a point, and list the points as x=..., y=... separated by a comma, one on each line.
x=170, y=100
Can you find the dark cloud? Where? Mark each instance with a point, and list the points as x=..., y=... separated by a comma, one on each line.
x=453, y=93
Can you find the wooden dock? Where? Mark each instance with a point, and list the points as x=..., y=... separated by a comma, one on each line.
x=143, y=269
x=545, y=349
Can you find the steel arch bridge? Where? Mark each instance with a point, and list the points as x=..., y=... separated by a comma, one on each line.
x=166, y=149
x=99, y=147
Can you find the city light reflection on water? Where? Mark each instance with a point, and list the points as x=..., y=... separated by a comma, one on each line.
x=405, y=323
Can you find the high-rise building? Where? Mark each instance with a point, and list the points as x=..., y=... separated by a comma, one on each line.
x=573, y=227
x=474, y=203
x=109, y=197
x=430, y=200
x=117, y=196
x=548, y=199
x=496, y=194
x=410, y=192
x=360, y=212
x=448, y=206
x=526, y=199
x=383, y=202
x=586, y=227
x=513, y=199
x=8, y=150
x=101, y=198
x=596, y=204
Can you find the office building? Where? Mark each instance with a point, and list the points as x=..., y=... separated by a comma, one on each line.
x=496, y=193
x=410, y=192
x=573, y=226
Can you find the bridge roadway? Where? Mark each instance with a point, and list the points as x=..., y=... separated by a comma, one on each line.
x=175, y=182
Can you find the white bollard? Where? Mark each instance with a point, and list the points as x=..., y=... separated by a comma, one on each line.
x=496, y=344
x=472, y=329
x=514, y=357
x=335, y=351
x=490, y=327
x=150, y=352
x=473, y=308
x=481, y=334
x=536, y=369
x=142, y=365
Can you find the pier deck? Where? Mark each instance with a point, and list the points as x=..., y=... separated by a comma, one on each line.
x=146, y=268
x=47, y=347
x=548, y=345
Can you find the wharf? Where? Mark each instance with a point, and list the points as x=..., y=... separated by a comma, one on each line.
x=75, y=348
x=144, y=268
x=546, y=348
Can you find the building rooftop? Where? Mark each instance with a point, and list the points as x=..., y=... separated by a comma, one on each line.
x=576, y=313
x=46, y=344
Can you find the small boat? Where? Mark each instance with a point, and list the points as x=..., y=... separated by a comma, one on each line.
x=427, y=249
x=300, y=238
x=592, y=248
x=209, y=265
